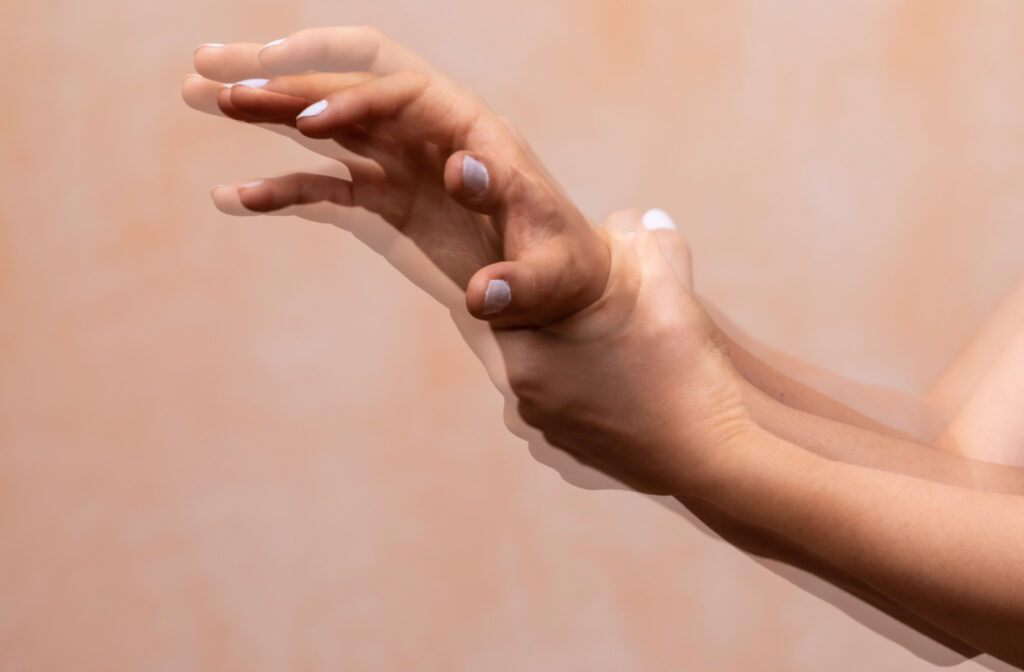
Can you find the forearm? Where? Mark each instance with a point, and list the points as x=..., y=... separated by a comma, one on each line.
x=946, y=553
x=809, y=388
x=784, y=389
x=989, y=425
x=765, y=543
x=863, y=447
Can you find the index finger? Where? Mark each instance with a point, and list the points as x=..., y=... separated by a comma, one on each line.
x=228, y=62
x=341, y=49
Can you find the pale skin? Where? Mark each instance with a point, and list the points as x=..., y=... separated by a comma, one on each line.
x=612, y=357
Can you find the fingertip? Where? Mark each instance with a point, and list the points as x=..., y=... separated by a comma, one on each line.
x=655, y=219
x=272, y=56
x=201, y=93
x=225, y=198
x=227, y=106
x=189, y=85
x=470, y=181
x=314, y=110
x=311, y=121
x=490, y=291
x=497, y=296
x=252, y=83
x=254, y=198
x=271, y=44
x=205, y=55
x=504, y=294
x=475, y=178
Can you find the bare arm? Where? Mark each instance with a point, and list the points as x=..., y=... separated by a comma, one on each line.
x=859, y=446
x=972, y=410
x=856, y=445
x=809, y=388
x=948, y=553
x=990, y=425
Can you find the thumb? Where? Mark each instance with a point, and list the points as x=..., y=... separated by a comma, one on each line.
x=673, y=244
x=555, y=263
x=545, y=283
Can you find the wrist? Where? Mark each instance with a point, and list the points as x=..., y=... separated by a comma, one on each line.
x=764, y=411
x=749, y=466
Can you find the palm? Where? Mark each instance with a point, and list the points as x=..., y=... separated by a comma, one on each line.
x=414, y=200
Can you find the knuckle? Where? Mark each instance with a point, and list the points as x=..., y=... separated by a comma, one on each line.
x=303, y=194
x=416, y=80
x=546, y=205
x=530, y=413
x=524, y=382
x=340, y=96
x=370, y=32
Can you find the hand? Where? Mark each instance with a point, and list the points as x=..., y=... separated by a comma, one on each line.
x=621, y=368
x=638, y=384
x=435, y=162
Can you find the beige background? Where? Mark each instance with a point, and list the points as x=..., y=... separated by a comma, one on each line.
x=250, y=444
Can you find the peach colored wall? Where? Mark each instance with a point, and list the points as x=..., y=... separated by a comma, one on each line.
x=249, y=444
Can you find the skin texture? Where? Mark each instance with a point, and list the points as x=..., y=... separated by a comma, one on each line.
x=613, y=358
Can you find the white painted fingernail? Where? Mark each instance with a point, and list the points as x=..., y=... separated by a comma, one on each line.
x=474, y=177
x=254, y=183
x=313, y=110
x=252, y=83
x=497, y=297
x=272, y=44
x=658, y=219
x=210, y=44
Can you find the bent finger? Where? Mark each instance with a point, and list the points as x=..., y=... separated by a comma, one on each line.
x=541, y=287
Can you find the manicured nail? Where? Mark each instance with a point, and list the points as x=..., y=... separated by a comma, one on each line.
x=658, y=219
x=497, y=297
x=474, y=177
x=313, y=110
x=272, y=44
x=210, y=44
x=252, y=83
x=254, y=183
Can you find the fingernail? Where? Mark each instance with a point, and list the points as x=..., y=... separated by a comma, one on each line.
x=272, y=44
x=210, y=44
x=313, y=110
x=252, y=83
x=658, y=219
x=474, y=177
x=497, y=297
x=254, y=183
